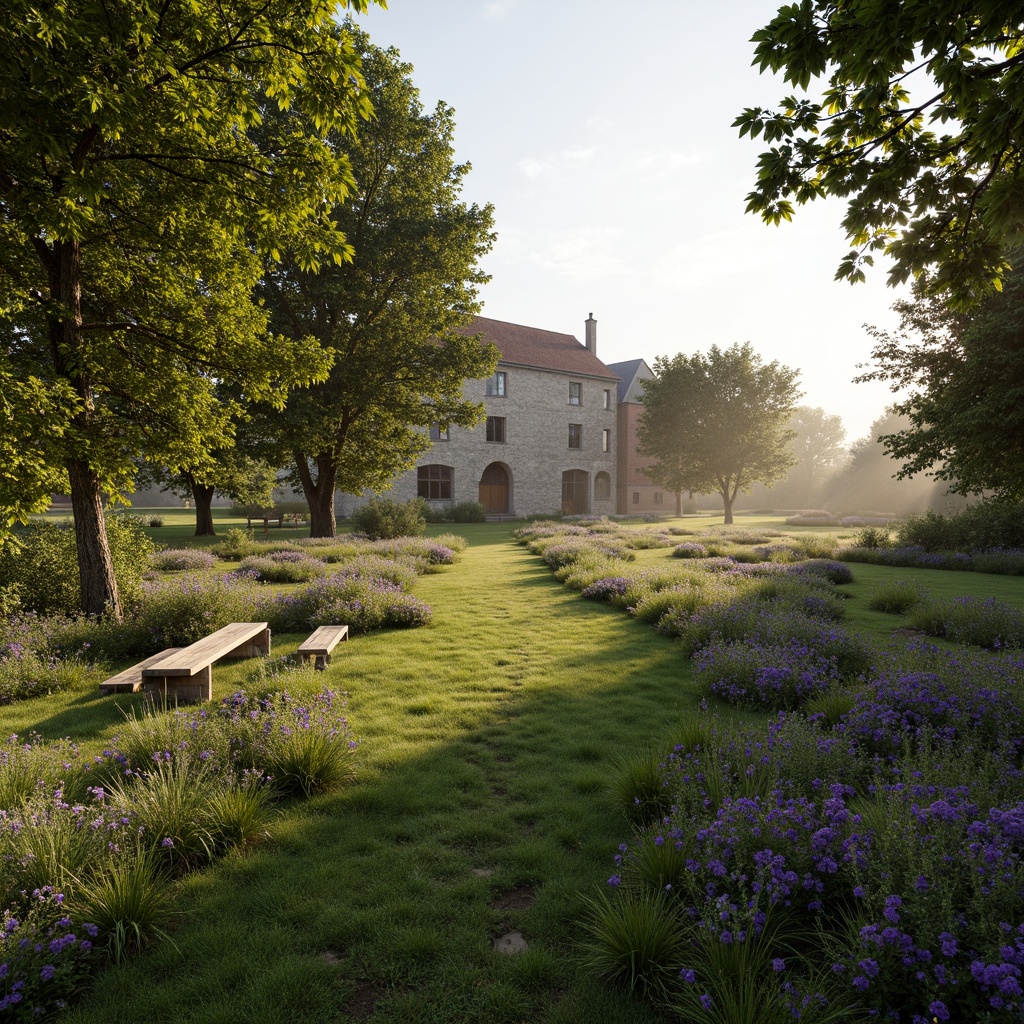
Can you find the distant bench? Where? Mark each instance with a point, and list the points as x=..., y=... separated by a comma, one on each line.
x=185, y=673
x=320, y=644
x=295, y=518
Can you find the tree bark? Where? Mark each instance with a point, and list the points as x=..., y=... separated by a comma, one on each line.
x=98, y=584
x=202, y=495
x=679, y=504
x=319, y=493
x=727, y=502
x=95, y=565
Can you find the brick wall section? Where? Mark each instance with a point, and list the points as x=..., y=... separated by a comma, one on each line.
x=633, y=483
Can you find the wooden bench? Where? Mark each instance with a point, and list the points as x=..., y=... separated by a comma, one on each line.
x=320, y=644
x=130, y=680
x=185, y=673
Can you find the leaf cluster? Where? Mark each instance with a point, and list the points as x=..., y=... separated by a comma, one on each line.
x=961, y=381
x=917, y=127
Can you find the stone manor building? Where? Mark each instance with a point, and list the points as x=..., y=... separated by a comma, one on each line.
x=548, y=443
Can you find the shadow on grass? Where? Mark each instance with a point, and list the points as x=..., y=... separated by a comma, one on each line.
x=483, y=806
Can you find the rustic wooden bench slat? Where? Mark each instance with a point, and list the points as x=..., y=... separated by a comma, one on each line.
x=320, y=643
x=130, y=679
x=187, y=673
x=236, y=640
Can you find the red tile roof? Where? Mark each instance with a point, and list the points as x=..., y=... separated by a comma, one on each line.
x=545, y=350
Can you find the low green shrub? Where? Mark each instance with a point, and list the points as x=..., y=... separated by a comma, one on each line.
x=896, y=597
x=42, y=567
x=384, y=519
x=25, y=674
x=466, y=512
x=982, y=622
x=237, y=544
x=989, y=524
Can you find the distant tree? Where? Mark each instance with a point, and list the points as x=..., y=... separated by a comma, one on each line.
x=232, y=474
x=391, y=316
x=140, y=184
x=717, y=423
x=932, y=179
x=961, y=377
x=869, y=481
x=818, y=447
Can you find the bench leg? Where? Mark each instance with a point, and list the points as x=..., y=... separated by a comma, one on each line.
x=321, y=662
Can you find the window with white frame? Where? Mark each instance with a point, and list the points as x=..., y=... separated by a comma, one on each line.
x=497, y=385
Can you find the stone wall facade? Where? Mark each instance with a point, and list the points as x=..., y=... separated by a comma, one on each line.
x=535, y=457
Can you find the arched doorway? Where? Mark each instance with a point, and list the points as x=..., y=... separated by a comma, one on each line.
x=574, y=492
x=494, y=489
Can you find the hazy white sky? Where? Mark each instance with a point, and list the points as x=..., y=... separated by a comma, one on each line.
x=601, y=132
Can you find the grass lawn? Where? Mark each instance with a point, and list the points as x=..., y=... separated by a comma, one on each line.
x=483, y=806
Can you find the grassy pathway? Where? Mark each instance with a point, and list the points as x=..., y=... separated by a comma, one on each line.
x=483, y=806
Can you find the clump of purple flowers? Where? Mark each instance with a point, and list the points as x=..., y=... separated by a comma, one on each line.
x=689, y=549
x=44, y=956
x=606, y=589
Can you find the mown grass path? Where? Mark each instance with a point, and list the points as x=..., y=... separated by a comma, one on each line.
x=483, y=806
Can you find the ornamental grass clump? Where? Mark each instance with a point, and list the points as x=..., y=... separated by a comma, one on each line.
x=177, y=559
x=897, y=597
x=25, y=674
x=982, y=622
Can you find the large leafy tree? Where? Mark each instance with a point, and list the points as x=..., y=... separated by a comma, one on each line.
x=960, y=378
x=918, y=128
x=391, y=316
x=716, y=423
x=141, y=186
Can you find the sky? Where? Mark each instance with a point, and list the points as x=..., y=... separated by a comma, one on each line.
x=602, y=134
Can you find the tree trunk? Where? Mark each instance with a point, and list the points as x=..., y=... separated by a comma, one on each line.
x=679, y=504
x=727, y=502
x=98, y=584
x=95, y=565
x=202, y=494
x=319, y=493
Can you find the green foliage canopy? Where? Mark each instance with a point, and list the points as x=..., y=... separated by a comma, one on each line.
x=960, y=377
x=919, y=128
x=391, y=316
x=142, y=186
x=717, y=422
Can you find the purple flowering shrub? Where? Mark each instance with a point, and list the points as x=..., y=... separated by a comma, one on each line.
x=829, y=568
x=175, y=559
x=983, y=622
x=607, y=588
x=689, y=549
x=45, y=957
x=922, y=695
x=770, y=676
x=282, y=567
x=361, y=600
x=896, y=866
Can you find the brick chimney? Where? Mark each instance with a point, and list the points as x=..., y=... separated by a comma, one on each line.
x=591, y=325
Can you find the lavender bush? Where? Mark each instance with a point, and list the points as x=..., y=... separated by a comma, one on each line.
x=175, y=559
x=983, y=622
